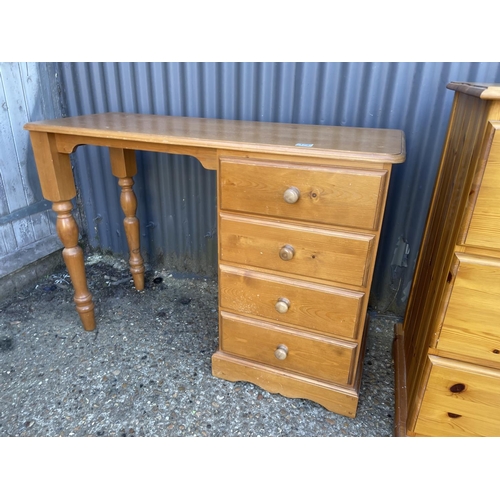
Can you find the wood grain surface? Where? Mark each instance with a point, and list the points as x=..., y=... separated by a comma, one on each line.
x=328, y=195
x=319, y=253
x=325, y=309
x=381, y=145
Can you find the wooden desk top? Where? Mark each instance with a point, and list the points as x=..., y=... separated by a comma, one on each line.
x=376, y=145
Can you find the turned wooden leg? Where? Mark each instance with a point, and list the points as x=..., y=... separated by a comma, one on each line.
x=67, y=230
x=124, y=167
x=128, y=202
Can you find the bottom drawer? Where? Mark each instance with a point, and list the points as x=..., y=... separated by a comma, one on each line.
x=460, y=400
x=288, y=349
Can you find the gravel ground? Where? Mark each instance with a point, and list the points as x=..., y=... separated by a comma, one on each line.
x=146, y=370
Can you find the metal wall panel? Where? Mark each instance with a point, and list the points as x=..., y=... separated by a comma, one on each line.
x=179, y=218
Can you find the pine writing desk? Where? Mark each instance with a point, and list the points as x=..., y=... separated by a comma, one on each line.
x=300, y=209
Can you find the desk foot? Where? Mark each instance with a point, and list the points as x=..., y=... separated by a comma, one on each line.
x=67, y=230
x=128, y=203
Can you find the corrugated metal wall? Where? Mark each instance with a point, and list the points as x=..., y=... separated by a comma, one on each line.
x=179, y=218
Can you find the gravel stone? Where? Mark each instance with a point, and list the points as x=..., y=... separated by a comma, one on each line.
x=146, y=369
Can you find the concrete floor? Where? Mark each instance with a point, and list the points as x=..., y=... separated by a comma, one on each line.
x=146, y=370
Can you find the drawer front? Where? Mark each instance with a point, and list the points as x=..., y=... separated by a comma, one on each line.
x=484, y=229
x=337, y=196
x=460, y=400
x=309, y=355
x=472, y=320
x=323, y=254
x=328, y=310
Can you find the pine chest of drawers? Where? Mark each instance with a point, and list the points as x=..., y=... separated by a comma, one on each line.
x=297, y=247
x=448, y=348
x=300, y=209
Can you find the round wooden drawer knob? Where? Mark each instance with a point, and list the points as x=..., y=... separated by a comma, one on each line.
x=291, y=195
x=287, y=252
x=281, y=352
x=282, y=305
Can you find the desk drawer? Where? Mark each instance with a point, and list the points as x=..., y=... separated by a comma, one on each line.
x=329, y=310
x=461, y=400
x=310, y=355
x=336, y=196
x=472, y=319
x=307, y=252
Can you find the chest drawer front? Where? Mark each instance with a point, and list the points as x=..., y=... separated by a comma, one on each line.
x=336, y=196
x=484, y=229
x=322, y=254
x=309, y=355
x=328, y=310
x=460, y=400
x=472, y=321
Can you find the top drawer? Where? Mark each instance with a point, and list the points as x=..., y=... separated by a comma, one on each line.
x=484, y=229
x=329, y=195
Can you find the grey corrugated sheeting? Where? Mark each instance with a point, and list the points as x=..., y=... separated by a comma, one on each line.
x=179, y=218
